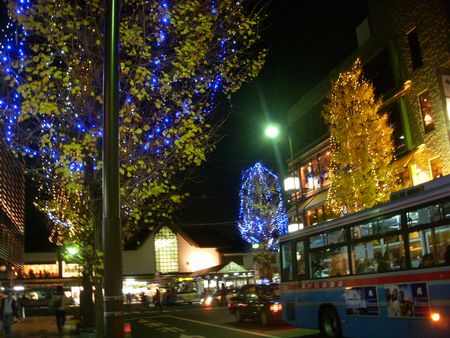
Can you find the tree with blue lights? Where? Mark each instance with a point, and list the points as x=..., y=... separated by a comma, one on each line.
x=176, y=59
x=262, y=217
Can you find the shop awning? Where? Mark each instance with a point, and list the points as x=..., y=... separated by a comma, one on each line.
x=310, y=202
x=228, y=268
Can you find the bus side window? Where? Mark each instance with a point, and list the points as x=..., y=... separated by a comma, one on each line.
x=430, y=246
x=330, y=262
x=286, y=262
x=378, y=255
x=300, y=257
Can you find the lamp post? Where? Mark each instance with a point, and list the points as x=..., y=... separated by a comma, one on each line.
x=112, y=246
x=273, y=131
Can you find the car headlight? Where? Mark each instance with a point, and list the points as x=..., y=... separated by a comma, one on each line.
x=208, y=300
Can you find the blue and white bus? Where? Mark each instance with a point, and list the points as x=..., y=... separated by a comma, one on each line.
x=382, y=272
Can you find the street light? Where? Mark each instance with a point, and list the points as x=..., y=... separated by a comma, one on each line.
x=72, y=250
x=273, y=131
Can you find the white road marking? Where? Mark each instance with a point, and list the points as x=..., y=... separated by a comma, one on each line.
x=223, y=327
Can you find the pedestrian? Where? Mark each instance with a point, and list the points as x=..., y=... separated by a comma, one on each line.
x=129, y=297
x=143, y=300
x=58, y=305
x=158, y=300
x=223, y=295
x=8, y=311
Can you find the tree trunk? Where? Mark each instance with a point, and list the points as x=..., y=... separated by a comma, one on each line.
x=264, y=259
x=87, y=313
x=95, y=207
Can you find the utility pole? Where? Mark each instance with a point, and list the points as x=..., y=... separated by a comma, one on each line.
x=112, y=242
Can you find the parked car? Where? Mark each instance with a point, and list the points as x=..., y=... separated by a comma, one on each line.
x=257, y=302
x=216, y=298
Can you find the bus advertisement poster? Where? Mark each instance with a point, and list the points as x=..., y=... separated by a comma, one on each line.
x=407, y=300
x=361, y=301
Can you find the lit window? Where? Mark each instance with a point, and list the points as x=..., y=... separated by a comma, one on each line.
x=448, y=107
x=166, y=251
x=425, y=106
x=436, y=167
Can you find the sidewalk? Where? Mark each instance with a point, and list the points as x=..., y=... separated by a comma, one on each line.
x=43, y=327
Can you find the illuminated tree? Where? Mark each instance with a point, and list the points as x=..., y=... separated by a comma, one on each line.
x=262, y=217
x=362, y=149
x=176, y=58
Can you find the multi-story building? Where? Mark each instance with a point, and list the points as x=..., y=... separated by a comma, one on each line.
x=12, y=208
x=404, y=48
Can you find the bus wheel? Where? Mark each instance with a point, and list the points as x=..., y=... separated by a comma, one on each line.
x=330, y=326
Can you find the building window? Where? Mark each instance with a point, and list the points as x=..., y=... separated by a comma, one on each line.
x=311, y=216
x=405, y=178
x=324, y=165
x=314, y=175
x=425, y=107
x=414, y=49
x=436, y=167
x=447, y=100
x=166, y=251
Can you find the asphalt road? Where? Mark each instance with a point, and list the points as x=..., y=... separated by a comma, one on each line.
x=193, y=321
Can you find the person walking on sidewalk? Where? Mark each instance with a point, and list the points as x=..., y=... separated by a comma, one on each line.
x=158, y=300
x=8, y=311
x=58, y=304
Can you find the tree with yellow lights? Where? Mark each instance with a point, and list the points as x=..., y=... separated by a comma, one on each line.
x=362, y=149
x=177, y=58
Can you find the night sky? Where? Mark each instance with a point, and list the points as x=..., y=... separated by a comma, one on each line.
x=305, y=40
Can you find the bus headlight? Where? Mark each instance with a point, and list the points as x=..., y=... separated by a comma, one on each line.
x=275, y=307
x=435, y=317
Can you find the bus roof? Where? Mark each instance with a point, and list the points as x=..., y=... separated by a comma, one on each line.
x=407, y=198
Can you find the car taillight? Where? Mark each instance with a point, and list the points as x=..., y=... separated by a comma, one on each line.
x=127, y=328
x=275, y=307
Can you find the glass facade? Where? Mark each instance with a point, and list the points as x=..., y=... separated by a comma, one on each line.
x=166, y=250
x=12, y=206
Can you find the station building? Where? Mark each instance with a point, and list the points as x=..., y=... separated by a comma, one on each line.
x=183, y=260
